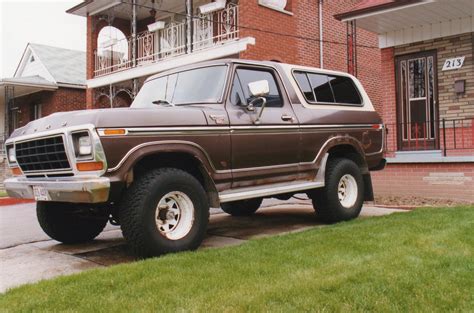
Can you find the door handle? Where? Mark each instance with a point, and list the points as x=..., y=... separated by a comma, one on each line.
x=287, y=118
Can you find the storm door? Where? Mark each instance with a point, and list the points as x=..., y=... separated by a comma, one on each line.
x=417, y=109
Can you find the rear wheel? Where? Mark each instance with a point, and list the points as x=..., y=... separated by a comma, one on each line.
x=165, y=210
x=343, y=195
x=70, y=223
x=243, y=207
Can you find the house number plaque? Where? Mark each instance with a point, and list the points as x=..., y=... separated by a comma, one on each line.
x=453, y=64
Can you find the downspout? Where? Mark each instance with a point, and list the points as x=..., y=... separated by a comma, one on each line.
x=321, y=47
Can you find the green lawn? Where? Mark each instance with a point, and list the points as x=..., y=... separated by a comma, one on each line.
x=3, y=194
x=406, y=262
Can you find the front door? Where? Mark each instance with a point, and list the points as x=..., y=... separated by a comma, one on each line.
x=266, y=149
x=417, y=106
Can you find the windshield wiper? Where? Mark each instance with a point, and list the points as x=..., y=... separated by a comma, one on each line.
x=162, y=101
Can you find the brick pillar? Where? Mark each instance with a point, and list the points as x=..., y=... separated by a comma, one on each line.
x=91, y=43
x=388, y=102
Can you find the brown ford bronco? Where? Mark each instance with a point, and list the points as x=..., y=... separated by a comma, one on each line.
x=226, y=134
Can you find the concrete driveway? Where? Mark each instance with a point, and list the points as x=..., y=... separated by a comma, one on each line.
x=27, y=255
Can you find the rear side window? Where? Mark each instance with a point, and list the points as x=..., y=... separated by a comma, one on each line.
x=322, y=88
x=344, y=90
x=303, y=82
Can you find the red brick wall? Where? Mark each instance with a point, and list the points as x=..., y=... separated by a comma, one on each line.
x=428, y=180
x=63, y=99
x=302, y=44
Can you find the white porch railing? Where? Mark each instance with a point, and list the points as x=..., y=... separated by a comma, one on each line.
x=168, y=42
x=209, y=30
x=214, y=29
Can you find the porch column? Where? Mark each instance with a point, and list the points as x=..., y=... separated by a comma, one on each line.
x=9, y=98
x=134, y=33
x=90, y=58
x=189, y=26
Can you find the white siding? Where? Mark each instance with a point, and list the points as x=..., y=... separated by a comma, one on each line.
x=426, y=32
x=35, y=68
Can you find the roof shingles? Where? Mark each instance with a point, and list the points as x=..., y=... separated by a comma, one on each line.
x=65, y=65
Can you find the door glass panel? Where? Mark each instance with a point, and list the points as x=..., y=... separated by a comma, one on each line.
x=237, y=96
x=418, y=118
x=403, y=98
x=247, y=76
x=431, y=100
x=417, y=78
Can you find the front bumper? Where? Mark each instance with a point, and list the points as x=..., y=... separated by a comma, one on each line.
x=66, y=189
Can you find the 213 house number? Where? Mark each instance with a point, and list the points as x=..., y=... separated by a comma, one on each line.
x=453, y=64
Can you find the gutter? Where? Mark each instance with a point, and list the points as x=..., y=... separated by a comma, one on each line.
x=386, y=6
x=321, y=47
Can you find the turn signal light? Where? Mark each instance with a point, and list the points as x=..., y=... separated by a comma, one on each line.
x=89, y=166
x=16, y=171
x=115, y=132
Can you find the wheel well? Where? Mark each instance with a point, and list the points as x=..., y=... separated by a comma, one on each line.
x=349, y=152
x=182, y=161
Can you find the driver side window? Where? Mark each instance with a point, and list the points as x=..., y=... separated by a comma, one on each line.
x=240, y=93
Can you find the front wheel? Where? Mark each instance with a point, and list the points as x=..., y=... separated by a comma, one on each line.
x=343, y=195
x=70, y=223
x=163, y=211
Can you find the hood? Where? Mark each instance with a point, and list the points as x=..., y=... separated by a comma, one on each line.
x=119, y=117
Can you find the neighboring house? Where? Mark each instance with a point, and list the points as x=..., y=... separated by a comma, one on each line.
x=47, y=80
x=428, y=85
x=131, y=40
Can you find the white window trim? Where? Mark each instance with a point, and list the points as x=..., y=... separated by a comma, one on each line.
x=261, y=3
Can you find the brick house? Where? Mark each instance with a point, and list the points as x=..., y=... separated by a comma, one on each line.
x=47, y=80
x=428, y=85
x=131, y=40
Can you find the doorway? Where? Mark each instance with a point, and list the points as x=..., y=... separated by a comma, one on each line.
x=417, y=102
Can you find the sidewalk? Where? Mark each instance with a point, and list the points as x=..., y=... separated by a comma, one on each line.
x=52, y=259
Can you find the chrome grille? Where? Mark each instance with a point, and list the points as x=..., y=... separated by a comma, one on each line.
x=42, y=155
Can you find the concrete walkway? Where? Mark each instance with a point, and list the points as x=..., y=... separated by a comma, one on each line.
x=27, y=255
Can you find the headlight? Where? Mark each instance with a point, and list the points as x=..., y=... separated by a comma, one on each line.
x=11, y=155
x=85, y=145
x=82, y=144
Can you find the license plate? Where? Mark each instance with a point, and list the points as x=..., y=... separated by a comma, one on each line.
x=40, y=193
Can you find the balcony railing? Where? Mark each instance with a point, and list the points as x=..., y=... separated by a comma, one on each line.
x=451, y=136
x=209, y=30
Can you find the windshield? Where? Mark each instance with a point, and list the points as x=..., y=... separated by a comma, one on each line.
x=201, y=85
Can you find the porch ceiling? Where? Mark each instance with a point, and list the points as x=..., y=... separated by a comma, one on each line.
x=412, y=15
x=23, y=86
x=122, y=8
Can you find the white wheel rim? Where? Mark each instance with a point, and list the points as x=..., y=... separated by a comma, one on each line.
x=174, y=215
x=347, y=191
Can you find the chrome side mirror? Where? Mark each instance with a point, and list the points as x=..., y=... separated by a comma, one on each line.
x=258, y=89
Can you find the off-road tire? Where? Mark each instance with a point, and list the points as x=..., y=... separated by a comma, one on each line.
x=242, y=208
x=69, y=224
x=139, y=204
x=326, y=201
